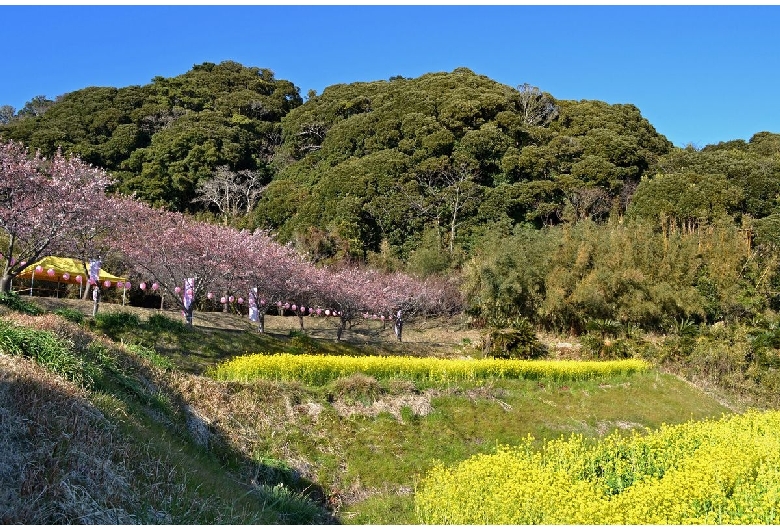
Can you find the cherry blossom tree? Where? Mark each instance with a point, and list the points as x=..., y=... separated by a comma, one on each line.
x=182, y=257
x=42, y=205
x=272, y=274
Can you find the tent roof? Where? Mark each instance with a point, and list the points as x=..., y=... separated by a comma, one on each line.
x=72, y=267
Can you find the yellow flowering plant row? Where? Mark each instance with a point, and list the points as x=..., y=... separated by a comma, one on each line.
x=321, y=369
x=723, y=471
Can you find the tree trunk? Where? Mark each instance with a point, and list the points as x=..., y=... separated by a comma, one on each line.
x=5, y=283
x=261, y=321
x=340, y=329
x=188, y=316
x=300, y=318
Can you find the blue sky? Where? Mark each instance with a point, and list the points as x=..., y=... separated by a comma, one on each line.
x=700, y=74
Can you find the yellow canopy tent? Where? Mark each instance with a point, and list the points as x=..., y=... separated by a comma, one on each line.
x=65, y=270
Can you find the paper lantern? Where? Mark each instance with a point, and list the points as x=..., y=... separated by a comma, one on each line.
x=189, y=292
x=66, y=276
x=142, y=285
x=231, y=299
x=23, y=263
x=240, y=300
x=177, y=289
x=278, y=304
x=50, y=272
x=155, y=286
x=223, y=300
x=287, y=305
x=303, y=309
x=79, y=279
x=209, y=295
x=120, y=284
x=262, y=301
x=294, y=307
x=107, y=283
x=327, y=312
x=38, y=269
x=127, y=285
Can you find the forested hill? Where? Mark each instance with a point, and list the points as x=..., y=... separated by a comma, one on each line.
x=397, y=171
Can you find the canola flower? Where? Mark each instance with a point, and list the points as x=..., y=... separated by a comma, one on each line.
x=321, y=369
x=724, y=471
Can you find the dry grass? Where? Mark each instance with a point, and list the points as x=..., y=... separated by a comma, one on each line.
x=62, y=462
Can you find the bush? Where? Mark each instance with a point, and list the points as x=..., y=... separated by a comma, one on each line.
x=46, y=349
x=15, y=302
x=300, y=342
x=518, y=342
x=160, y=322
x=74, y=315
x=117, y=321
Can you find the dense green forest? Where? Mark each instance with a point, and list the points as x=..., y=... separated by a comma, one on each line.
x=558, y=213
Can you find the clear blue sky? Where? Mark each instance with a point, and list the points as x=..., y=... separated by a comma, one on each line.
x=700, y=74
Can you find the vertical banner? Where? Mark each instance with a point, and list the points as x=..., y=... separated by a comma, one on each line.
x=94, y=271
x=189, y=292
x=254, y=315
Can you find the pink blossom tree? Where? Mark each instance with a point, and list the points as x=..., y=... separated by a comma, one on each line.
x=271, y=273
x=43, y=204
x=185, y=258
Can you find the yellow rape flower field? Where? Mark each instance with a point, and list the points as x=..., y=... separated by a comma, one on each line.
x=723, y=471
x=321, y=369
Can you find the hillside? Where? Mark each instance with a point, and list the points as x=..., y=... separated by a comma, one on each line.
x=178, y=447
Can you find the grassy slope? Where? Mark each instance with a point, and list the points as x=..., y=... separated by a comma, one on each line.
x=359, y=445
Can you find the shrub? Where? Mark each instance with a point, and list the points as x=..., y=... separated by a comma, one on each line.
x=15, y=302
x=161, y=322
x=46, y=349
x=116, y=321
x=518, y=342
x=74, y=315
